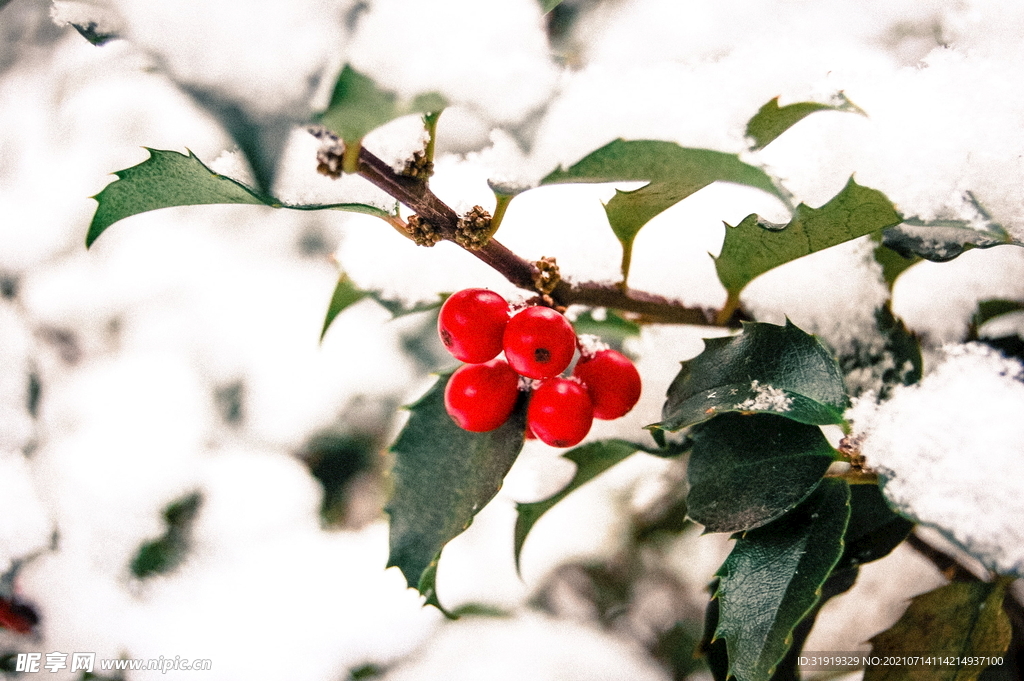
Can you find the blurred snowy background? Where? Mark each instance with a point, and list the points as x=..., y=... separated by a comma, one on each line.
x=184, y=470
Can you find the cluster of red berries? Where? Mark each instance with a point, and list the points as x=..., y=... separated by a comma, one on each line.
x=476, y=325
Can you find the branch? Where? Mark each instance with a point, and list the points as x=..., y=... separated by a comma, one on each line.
x=417, y=196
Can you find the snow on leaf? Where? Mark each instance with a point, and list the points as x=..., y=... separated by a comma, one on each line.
x=772, y=579
x=772, y=120
x=443, y=475
x=767, y=368
x=755, y=246
x=358, y=105
x=672, y=173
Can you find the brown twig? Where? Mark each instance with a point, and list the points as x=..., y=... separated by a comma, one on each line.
x=415, y=194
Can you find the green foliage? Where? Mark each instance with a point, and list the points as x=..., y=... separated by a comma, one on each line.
x=962, y=619
x=358, y=105
x=746, y=471
x=168, y=552
x=772, y=578
x=893, y=264
x=990, y=309
x=767, y=368
x=612, y=328
x=772, y=120
x=874, y=529
x=883, y=361
x=91, y=32
x=943, y=240
x=346, y=294
x=591, y=460
x=755, y=245
x=672, y=173
x=443, y=476
x=168, y=178
x=548, y=5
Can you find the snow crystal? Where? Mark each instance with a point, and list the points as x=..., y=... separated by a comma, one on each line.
x=947, y=449
x=765, y=398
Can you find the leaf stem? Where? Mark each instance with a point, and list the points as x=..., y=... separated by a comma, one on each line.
x=415, y=194
x=430, y=123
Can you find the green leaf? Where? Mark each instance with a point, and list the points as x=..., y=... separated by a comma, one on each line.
x=548, y=5
x=767, y=368
x=746, y=471
x=358, y=105
x=93, y=33
x=772, y=579
x=874, y=529
x=881, y=362
x=399, y=308
x=169, y=178
x=772, y=120
x=990, y=309
x=345, y=293
x=672, y=172
x=893, y=264
x=612, y=328
x=755, y=246
x=443, y=476
x=162, y=555
x=945, y=239
x=591, y=460
x=962, y=619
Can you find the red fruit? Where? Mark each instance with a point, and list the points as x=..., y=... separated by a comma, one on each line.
x=481, y=397
x=612, y=381
x=472, y=323
x=539, y=342
x=560, y=412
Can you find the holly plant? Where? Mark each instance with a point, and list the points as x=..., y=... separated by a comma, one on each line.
x=746, y=414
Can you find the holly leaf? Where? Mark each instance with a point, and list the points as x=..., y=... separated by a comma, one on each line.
x=893, y=264
x=881, y=362
x=755, y=245
x=746, y=471
x=345, y=294
x=874, y=529
x=943, y=240
x=771, y=120
x=169, y=178
x=358, y=105
x=767, y=368
x=672, y=173
x=591, y=460
x=992, y=308
x=548, y=5
x=612, y=328
x=962, y=619
x=443, y=476
x=772, y=579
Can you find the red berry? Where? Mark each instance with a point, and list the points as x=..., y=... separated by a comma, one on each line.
x=481, y=397
x=612, y=381
x=472, y=323
x=560, y=412
x=539, y=342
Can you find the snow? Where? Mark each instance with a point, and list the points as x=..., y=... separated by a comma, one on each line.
x=132, y=340
x=766, y=397
x=946, y=448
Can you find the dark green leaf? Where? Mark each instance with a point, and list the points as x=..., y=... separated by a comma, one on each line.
x=673, y=173
x=746, y=471
x=755, y=246
x=93, y=33
x=874, y=529
x=345, y=293
x=548, y=5
x=772, y=579
x=443, y=476
x=359, y=105
x=162, y=555
x=591, y=460
x=772, y=120
x=168, y=178
x=399, y=308
x=767, y=368
x=962, y=619
x=893, y=264
x=990, y=309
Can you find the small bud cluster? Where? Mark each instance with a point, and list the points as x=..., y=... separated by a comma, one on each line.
x=419, y=167
x=421, y=231
x=547, y=276
x=473, y=229
x=329, y=155
x=476, y=325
